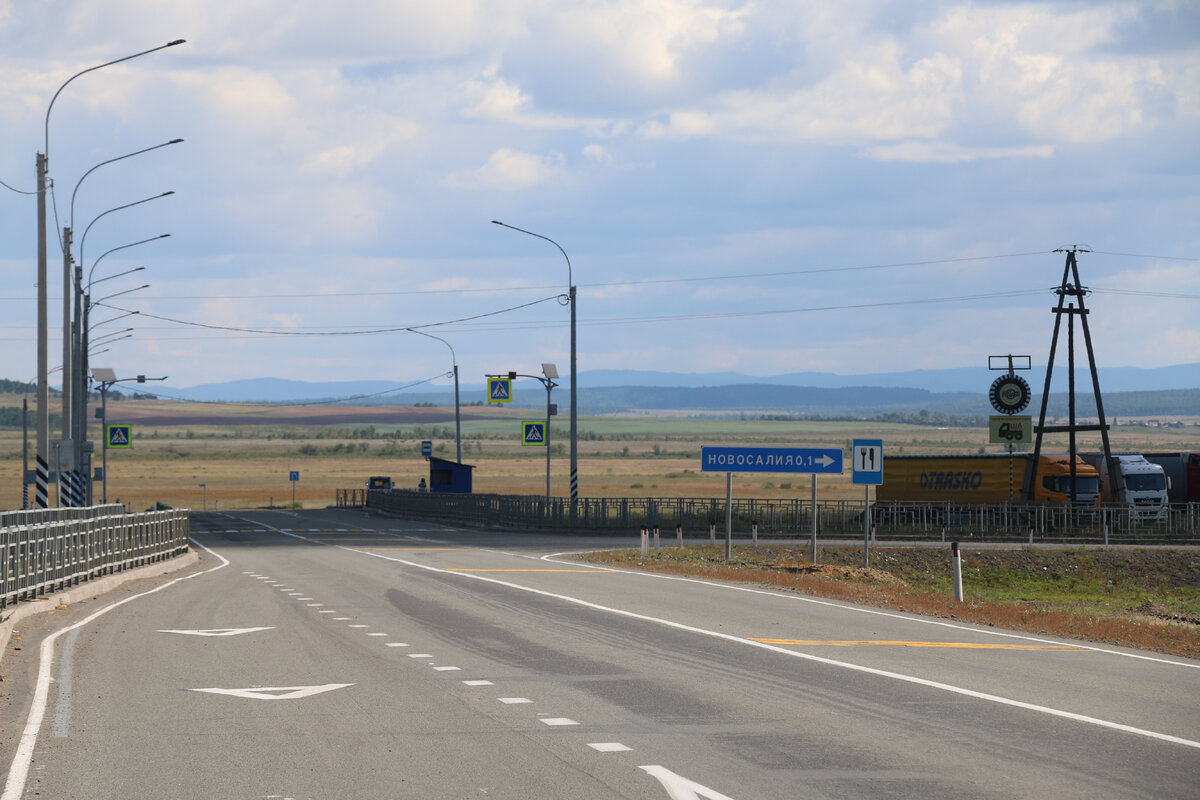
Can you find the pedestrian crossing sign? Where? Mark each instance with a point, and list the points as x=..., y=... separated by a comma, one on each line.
x=119, y=436
x=499, y=390
x=533, y=433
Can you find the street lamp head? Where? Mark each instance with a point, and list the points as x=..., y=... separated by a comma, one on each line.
x=177, y=41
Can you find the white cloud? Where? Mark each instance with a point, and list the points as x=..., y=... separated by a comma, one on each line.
x=871, y=97
x=509, y=170
x=648, y=39
x=947, y=153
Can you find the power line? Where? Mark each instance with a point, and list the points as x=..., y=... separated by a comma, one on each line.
x=609, y=284
x=1142, y=255
x=293, y=332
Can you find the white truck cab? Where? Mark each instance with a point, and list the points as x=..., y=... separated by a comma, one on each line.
x=1139, y=484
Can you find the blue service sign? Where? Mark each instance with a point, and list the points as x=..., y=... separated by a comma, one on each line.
x=427, y=447
x=867, y=462
x=293, y=476
x=820, y=460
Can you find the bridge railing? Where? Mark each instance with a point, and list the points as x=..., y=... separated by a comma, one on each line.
x=793, y=518
x=50, y=549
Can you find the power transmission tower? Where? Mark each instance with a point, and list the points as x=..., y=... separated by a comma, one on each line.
x=1073, y=288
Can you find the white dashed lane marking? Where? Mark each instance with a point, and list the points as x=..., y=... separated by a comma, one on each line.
x=610, y=747
x=479, y=683
x=557, y=721
x=514, y=700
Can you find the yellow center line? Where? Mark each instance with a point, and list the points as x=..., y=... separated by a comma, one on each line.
x=963, y=645
x=590, y=571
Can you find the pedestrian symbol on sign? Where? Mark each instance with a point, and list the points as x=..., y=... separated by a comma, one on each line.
x=119, y=436
x=499, y=390
x=533, y=433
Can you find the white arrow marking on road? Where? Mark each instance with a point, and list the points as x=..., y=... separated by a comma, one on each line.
x=219, y=631
x=276, y=692
x=681, y=788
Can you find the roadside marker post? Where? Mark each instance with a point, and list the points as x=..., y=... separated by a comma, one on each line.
x=956, y=559
x=816, y=461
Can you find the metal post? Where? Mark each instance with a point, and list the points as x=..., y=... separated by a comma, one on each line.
x=867, y=527
x=24, y=452
x=43, y=394
x=574, y=408
x=549, y=386
x=68, y=376
x=104, y=437
x=728, y=515
x=457, y=414
x=814, y=518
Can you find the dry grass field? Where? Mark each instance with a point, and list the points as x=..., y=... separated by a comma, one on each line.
x=244, y=453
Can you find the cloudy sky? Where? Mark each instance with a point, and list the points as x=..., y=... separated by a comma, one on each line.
x=764, y=186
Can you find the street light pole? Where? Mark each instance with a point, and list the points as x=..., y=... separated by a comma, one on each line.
x=457, y=414
x=571, y=299
x=42, y=165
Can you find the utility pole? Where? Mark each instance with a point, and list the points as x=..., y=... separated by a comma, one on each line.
x=1070, y=286
x=42, y=491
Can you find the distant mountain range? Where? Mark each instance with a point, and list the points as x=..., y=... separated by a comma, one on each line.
x=961, y=390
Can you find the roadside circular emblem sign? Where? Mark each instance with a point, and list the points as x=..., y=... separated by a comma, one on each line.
x=1009, y=394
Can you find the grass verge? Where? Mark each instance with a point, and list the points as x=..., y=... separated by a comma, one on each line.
x=1147, y=599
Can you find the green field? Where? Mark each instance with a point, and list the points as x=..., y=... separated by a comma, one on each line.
x=243, y=453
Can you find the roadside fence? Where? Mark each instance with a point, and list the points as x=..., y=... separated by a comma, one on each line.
x=46, y=550
x=782, y=518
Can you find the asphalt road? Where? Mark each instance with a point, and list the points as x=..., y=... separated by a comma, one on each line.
x=334, y=654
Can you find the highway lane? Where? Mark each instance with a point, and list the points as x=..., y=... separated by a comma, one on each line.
x=342, y=655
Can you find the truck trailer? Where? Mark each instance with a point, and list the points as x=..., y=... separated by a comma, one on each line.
x=1135, y=483
x=986, y=479
x=1183, y=475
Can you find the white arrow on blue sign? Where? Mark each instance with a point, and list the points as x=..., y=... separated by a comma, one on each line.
x=817, y=460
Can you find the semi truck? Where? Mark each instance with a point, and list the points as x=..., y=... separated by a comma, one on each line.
x=1135, y=483
x=986, y=478
x=1183, y=475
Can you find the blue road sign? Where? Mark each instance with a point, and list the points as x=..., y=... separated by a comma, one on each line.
x=293, y=476
x=499, y=390
x=867, y=462
x=427, y=448
x=819, y=460
x=533, y=433
x=119, y=436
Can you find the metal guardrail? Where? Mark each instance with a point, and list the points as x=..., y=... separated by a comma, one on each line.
x=793, y=518
x=45, y=551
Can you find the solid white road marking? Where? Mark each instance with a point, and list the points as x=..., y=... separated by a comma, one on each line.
x=610, y=747
x=18, y=773
x=552, y=558
x=681, y=788
x=741, y=640
x=276, y=692
x=219, y=631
